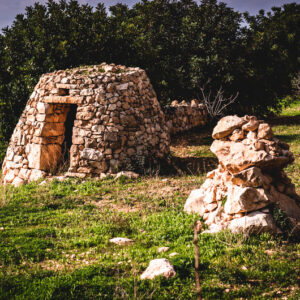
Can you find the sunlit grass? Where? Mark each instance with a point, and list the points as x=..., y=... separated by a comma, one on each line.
x=54, y=238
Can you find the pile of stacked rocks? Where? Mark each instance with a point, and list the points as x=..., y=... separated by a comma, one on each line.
x=118, y=123
x=183, y=116
x=249, y=182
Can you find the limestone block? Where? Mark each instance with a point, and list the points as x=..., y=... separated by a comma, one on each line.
x=44, y=157
x=36, y=175
x=121, y=241
x=77, y=140
x=159, y=267
x=122, y=87
x=251, y=177
x=88, y=115
x=195, y=203
x=265, y=131
x=100, y=166
x=18, y=182
x=10, y=176
x=252, y=125
x=24, y=174
x=245, y=199
x=287, y=204
x=237, y=134
x=66, y=86
x=236, y=156
x=91, y=154
x=226, y=126
x=256, y=222
x=50, y=129
x=87, y=92
x=87, y=170
x=63, y=99
x=52, y=118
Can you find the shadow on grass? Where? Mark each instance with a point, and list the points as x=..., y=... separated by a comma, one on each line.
x=285, y=120
x=194, y=137
x=288, y=138
x=195, y=165
x=180, y=166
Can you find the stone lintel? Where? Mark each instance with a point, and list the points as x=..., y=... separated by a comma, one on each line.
x=63, y=99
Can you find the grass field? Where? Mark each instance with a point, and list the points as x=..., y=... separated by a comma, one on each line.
x=54, y=238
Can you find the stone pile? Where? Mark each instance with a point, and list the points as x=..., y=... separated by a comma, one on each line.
x=249, y=182
x=118, y=124
x=183, y=116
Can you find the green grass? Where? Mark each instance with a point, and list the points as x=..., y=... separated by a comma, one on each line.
x=54, y=238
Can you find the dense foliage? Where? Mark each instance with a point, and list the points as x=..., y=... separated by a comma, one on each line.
x=181, y=45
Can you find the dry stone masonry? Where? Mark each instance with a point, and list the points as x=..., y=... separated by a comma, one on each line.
x=249, y=181
x=118, y=121
x=106, y=117
x=183, y=116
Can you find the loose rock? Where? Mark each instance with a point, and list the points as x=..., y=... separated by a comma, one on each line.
x=159, y=267
x=121, y=241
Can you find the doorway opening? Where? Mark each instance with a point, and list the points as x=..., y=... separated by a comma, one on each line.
x=69, y=124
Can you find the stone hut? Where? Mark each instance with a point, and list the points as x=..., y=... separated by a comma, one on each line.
x=105, y=118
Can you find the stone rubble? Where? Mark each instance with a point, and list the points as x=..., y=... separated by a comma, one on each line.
x=249, y=180
x=119, y=124
x=159, y=267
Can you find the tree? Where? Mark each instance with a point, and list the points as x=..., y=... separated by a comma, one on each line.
x=272, y=58
x=48, y=37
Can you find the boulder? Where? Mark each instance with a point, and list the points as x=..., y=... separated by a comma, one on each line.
x=245, y=199
x=264, y=131
x=226, y=126
x=163, y=249
x=255, y=222
x=252, y=125
x=121, y=241
x=127, y=174
x=159, y=267
x=236, y=157
x=251, y=177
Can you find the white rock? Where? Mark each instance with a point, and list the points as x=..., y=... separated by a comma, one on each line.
x=251, y=177
x=128, y=174
x=36, y=175
x=245, y=199
x=255, y=222
x=163, y=249
x=122, y=87
x=173, y=254
x=159, y=267
x=194, y=203
x=213, y=228
x=18, y=182
x=91, y=154
x=121, y=241
x=226, y=126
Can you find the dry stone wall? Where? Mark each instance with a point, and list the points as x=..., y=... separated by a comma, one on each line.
x=118, y=123
x=184, y=116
